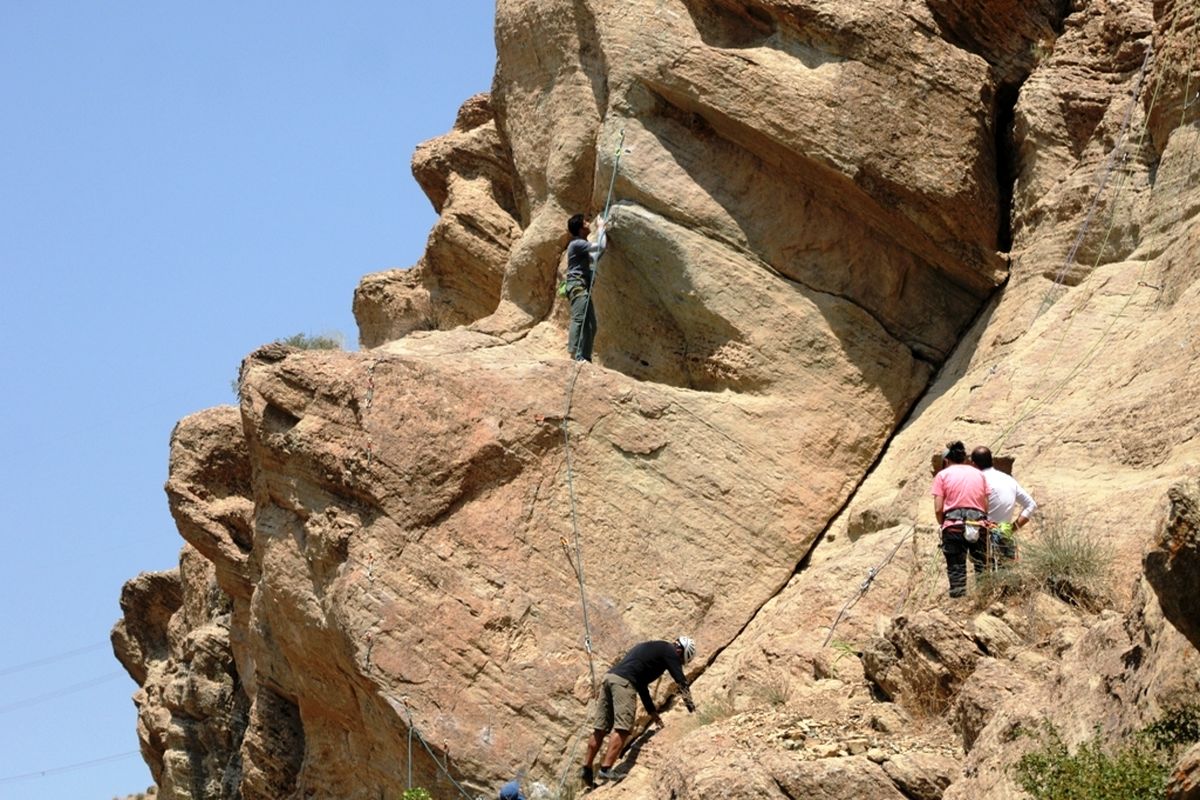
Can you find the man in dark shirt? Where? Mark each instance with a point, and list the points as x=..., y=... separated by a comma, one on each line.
x=582, y=256
x=615, y=705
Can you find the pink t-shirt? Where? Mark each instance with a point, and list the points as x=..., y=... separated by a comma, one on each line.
x=961, y=486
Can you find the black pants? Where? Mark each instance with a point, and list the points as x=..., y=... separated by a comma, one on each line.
x=956, y=548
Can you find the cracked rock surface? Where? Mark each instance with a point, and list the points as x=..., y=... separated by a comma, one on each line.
x=803, y=295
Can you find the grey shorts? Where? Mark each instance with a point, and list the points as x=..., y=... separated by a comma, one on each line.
x=616, y=707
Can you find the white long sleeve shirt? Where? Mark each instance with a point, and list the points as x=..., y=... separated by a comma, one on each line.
x=1004, y=493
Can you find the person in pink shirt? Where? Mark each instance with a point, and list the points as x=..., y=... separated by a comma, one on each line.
x=960, y=496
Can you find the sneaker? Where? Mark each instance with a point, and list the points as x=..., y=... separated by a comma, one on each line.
x=608, y=774
x=585, y=775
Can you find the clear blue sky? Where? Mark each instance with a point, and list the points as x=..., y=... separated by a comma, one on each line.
x=179, y=183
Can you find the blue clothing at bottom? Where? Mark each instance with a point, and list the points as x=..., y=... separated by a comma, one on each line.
x=511, y=791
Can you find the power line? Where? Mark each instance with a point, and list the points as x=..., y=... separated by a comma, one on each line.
x=75, y=687
x=45, y=773
x=52, y=659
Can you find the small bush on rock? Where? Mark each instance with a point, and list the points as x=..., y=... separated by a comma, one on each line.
x=1069, y=562
x=715, y=710
x=1062, y=559
x=1136, y=769
x=324, y=341
x=416, y=793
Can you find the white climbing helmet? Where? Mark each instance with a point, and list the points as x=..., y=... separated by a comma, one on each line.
x=688, y=647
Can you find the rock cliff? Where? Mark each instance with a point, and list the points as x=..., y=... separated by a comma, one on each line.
x=844, y=233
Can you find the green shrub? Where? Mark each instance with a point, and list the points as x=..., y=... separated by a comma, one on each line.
x=1052, y=772
x=416, y=793
x=1175, y=729
x=1136, y=769
x=324, y=341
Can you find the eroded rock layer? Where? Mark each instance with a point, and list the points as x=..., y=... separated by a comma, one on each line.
x=816, y=207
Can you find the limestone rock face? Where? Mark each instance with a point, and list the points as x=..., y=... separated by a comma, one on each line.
x=816, y=208
x=922, y=659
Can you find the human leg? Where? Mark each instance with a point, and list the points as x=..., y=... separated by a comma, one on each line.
x=978, y=551
x=624, y=708
x=955, y=550
x=588, y=334
x=577, y=335
x=615, y=745
x=602, y=723
x=593, y=747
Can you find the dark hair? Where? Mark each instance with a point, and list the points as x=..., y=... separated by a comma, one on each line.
x=981, y=457
x=956, y=453
x=575, y=224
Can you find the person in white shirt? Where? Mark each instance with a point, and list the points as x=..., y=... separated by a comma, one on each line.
x=1004, y=494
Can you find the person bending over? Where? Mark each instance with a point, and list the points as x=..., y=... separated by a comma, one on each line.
x=616, y=706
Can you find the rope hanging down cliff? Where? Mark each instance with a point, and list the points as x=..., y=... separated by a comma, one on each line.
x=577, y=562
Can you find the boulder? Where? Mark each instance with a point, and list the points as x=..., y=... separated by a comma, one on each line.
x=1173, y=564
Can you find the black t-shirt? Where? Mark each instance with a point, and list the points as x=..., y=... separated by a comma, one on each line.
x=643, y=665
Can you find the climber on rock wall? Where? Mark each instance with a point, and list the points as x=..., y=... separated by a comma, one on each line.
x=616, y=706
x=582, y=256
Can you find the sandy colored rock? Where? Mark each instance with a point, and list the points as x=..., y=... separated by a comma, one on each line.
x=174, y=641
x=1173, y=565
x=922, y=660
x=994, y=636
x=208, y=492
x=798, y=303
x=992, y=683
x=921, y=776
x=468, y=176
x=1184, y=783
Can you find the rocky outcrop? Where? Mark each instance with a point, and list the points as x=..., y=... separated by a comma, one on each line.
x=468, y=176
x=921, y=660
x=1173, y=566
x=798, y=301
x=1185, y=780
x=174, y=640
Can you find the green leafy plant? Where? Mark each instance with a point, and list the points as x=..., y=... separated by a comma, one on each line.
x=843, y=649
x=1176, y=728
x=416, y=793
x=1134, y=769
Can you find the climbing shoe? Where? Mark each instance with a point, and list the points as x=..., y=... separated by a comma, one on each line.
x=585, y=775
x=608, y=774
